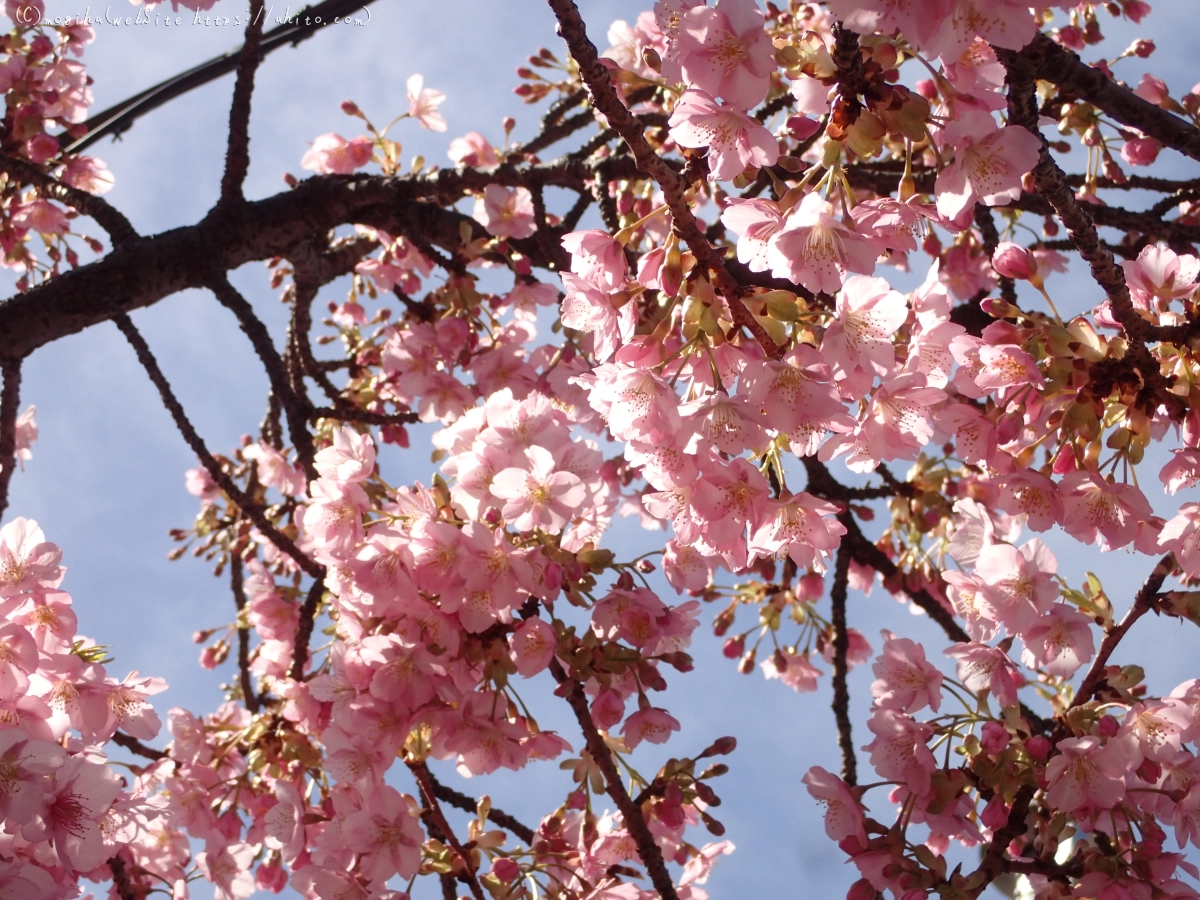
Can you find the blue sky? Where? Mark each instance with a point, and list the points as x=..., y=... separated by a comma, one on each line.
x=106, y=481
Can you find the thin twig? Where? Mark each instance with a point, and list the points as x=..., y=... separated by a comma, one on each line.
x=238, y=586
x=605, y=99
x=308, y=618
x=296, y=407
x=422, y=775
x=1143, y=602
x=841, y=645
x=631, y=814
x=252, y=510
x=133, y=745
x=119, y=118
x=119, y=229
x=461, y=801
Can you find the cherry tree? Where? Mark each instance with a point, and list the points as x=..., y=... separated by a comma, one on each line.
x=773, y=283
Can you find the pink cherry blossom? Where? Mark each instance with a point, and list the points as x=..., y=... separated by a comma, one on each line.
x=1094, y=509
x=423, y=103
x=817, y=250
x=533, y=646
x=332, y=154
x=988, y=165
x=797, y=671
x=1060, y=641
x=843, y=811
x=1181, y=535
x=899, y=751
x=649, y=724
x=984, y=668
x=1086, y=775
x=755, y=221
x=472, y=149
x=597, y=257
x=505, y=212
x=801, y=527
x=905, y=681
x=540, y=496
x=859, y=340
x=734, y=140
x=590, y=309
x=1018, y=583
x=726, y=52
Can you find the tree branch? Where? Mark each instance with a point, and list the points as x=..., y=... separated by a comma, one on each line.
x=237, y=149
x=119, y=229
x=461, y=801
x=841, y=644
x=635, y=822
x=10, y=406
x=1143, y=602
x=626, y=124
x=121, y=883
x=252, y=510
x=133, y=745
x=308, y=619
x=120, y=118
x=296, y=406
x=424, y=780
x=1050, y=62
x=237, y=585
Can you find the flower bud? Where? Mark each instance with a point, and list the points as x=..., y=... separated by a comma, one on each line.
x=1038, y=748
x=734, y=646
x=1014, y=261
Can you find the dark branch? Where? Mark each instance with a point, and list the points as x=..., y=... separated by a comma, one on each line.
x=133, y=745
x=237, y=148
x=1143, y=601
x=119, y=118
x=635, y=822
x=252, y=510
x=108, y=217
x=1048, y=61
x=237, y=585
x=425, y=780
x=308, y=619
x=296, y=407
x=10, y=406
x=841, y=645
x=461, y=801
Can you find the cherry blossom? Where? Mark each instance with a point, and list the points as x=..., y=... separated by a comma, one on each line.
x=734, y=140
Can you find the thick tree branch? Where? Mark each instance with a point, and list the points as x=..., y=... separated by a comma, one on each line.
x=1143, y=602
x=132, y=277
x=252, y=510
x=237, y=149
x=10, y=406
x=121, y=882
x=108, y=217
x=631, y=814
x=1048, y=61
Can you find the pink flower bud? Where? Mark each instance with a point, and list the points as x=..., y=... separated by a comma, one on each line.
x=1140, y=151
x=505, y=869
x=1014, y=261
x=1038, y=748
x=994, y=738
x=734, y=646
x=1108, y=726
x=810, y=587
